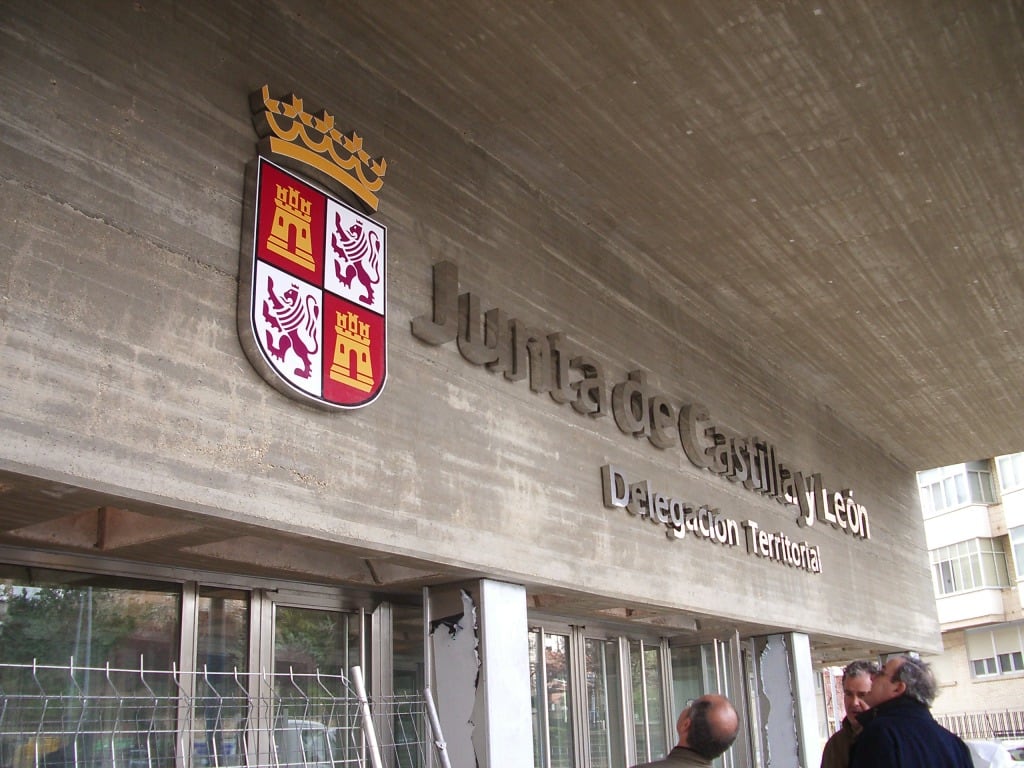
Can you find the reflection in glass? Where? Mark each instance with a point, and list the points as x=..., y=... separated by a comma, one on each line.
x=53, y=616
x=648, y=701
x=552, y=723
x=409, y=680
x=307, y=641
x=655, y=703
x=687, y=676
x=222, y=649
x=604, y=705
x=82, y=623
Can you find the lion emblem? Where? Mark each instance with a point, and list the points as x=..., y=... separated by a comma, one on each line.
x=358, y=254
x=295, y=321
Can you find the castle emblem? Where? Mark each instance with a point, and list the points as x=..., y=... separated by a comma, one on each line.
x=312, y=287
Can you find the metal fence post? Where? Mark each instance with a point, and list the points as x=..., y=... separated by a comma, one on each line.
x=368, y=729
x=435, y=728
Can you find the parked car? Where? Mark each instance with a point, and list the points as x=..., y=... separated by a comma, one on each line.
x=1016, y=749
x=302, y=744
x=990, y=754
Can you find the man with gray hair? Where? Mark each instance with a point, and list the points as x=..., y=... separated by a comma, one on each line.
x=857, y=677
x=899, y=730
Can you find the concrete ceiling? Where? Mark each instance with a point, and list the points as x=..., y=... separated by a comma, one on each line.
x=836, y=187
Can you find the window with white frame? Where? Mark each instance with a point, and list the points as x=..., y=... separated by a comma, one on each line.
x=1017, y=543
x=954, y=486
x=967, y=565
x=998, y=651
x=1011, y=471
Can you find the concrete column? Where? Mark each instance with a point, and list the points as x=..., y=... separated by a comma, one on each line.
x=786, y=701
x=479, y=665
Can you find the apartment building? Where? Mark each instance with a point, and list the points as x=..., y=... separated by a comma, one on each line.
x=974, y=526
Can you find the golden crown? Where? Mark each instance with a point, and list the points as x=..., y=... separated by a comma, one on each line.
x=286, y=129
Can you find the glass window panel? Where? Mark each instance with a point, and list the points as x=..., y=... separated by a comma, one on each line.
x=949, y=491
x=1006, y=475
x=222, y=646
x=937, y=500
x=974, y=481
x=550, y=695
x=648, y=701
x=537, y=706
x=984, y=666
x=408, y=680
x=52, y=616
x=687, y=676
x=222, y=635
x=977, y=573
x=926, y=501
x=655, y=703
x=961, y=489
x=994, y=565
x=961, y=575
x=636, y=665
x=1017, y=540
x=946, y=577
x=604, y=704
x=558, y=701
x=307, y=640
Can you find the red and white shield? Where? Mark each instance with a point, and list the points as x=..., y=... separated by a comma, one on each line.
x=312, y=290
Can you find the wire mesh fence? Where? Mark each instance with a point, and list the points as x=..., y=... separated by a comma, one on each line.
x=99, y=717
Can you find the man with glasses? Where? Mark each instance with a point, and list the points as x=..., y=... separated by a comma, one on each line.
x=899, y=730
x=707, y=727
x=856, y=686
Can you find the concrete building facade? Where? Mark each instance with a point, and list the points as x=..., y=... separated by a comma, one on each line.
x=503, y=439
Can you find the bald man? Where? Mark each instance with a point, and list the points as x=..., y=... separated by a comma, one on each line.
x=706, y=729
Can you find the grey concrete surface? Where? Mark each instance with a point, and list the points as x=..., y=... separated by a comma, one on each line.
x=805, y=216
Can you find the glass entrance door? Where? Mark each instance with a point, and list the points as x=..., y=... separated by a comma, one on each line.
x=552, y=700
x=599, y=700
x=605, y=718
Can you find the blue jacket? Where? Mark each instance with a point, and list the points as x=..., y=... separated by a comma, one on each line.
x=901, y=733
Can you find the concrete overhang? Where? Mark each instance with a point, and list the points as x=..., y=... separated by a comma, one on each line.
x=833, y=188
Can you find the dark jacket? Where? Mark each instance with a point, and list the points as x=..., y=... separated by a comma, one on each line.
x=837, y=751
x=679, y=757
x=901, y=733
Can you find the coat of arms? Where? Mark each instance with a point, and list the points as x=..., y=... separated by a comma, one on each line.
x=312, y=287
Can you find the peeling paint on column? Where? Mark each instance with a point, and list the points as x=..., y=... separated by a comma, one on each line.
x=455, y=645
x=777, y=695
